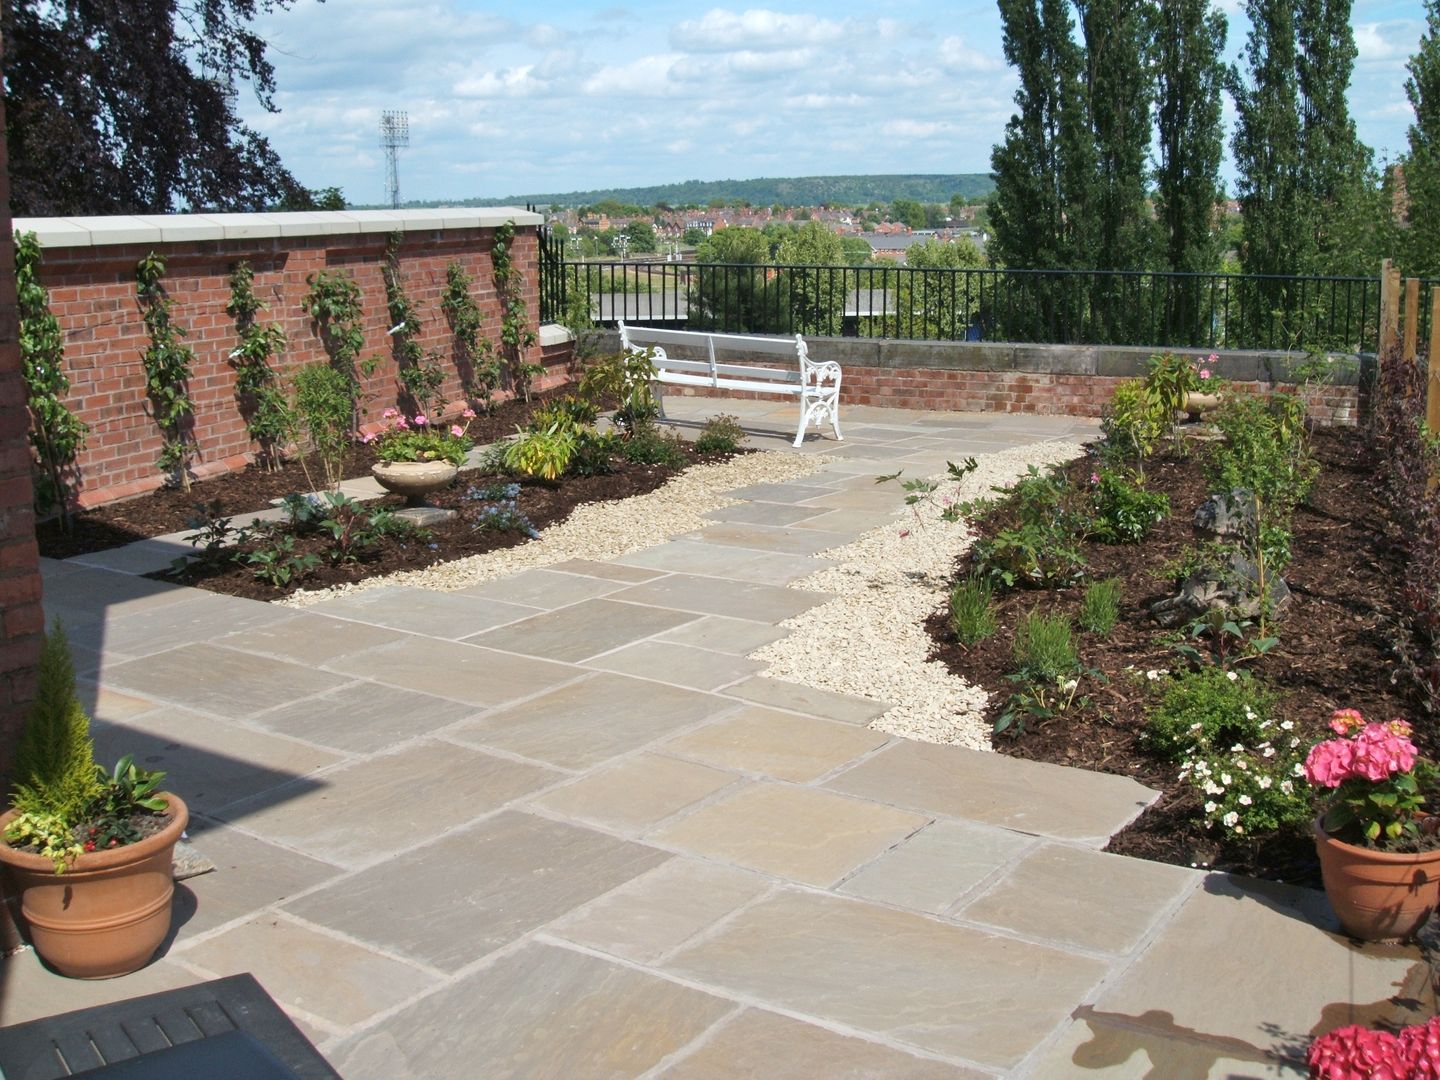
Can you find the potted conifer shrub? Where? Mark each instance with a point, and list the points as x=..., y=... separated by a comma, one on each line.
x=89, y=852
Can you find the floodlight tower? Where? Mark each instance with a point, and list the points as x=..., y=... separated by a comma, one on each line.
x=394, y=134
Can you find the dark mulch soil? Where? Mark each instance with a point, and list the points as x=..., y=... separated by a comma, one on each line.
x=236, y=494
x=543, y=504
x=1333, y=652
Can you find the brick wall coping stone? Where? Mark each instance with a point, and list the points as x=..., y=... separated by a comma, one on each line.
x=80, y=232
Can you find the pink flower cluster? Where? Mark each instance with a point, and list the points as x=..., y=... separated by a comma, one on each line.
x=1373, y=752
x=1358, y=1053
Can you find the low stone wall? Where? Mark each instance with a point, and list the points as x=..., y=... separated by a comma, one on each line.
x=1073, y=380
x=89, y=267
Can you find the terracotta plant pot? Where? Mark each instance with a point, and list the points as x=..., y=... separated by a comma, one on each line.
x=110, y=910
x=413, y=479
x=1378, y=895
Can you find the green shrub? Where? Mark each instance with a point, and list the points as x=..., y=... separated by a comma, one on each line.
x=325, y=406
x=1209, y=708
x=1030, y=556
x=1044, y=647
x=568, y=411
x=971, y=615
x=649, y=446
x=544, y=455
x=1132, y=423
x=721, y=435
x=1100, y=607
x=595, y=452
x=1122, y=511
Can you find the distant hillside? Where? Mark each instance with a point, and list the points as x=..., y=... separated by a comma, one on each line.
x=787, y=191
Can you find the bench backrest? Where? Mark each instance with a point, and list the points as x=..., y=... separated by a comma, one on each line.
x=639, y=337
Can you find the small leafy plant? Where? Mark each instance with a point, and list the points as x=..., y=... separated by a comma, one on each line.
x=167, y=371
x=515, y=333
x=1121, y=510
x=1207, y=708
x=278, y=564
x=479, y=367
x=650, y=446
x=418, y=439
x=1044, y=647
x=623, y=380
x=496, y=509
x=325, y=405
x=1229, y=640
x=1100, y=607
x=544, y=455
x=721, y=435
x=269, y=419
x=972, y=615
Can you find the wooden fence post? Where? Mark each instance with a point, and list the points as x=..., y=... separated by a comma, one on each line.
x=1389, y=307
x=1412, y=318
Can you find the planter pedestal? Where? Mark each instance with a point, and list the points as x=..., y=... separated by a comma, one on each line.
x=1376, y=894
x=415, y=480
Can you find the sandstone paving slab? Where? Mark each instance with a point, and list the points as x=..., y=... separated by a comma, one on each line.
x=807, y=699
x=800, y=834
x=543, y=1011
x=877, y=498
x=778, y=744
x=778, y=492
x=423, y=611
x=714, y=596
x=762, y=513
x=657, y=912
x=328, y=977
x=364, y=717
x=718, y=560
x=50, y=569
x=1106, y=1049
x=249, y=875
x=198, y=616
x=947, y=989
x=764, y=1044
x=607, y=570
x=787, y=540
x=1029, y=796
x=584, y=723
x=739, y=637
x=210, y=763
x=1191, y=977
x=116, y=706
x=223, y=681
x=477, y=888
x=311, y=638
x=636, y=793
x=356, y=815
x=110, y=594
x=582, y=630
x=1078, y=897
x=462, y=672
x=700, y=669
x=141, y=557
x=542, y=589
x=879, y=453
x=33, y=991
x=937, y=865
x=848, y=523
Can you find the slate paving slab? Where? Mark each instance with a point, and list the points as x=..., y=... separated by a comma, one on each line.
x=455, y=900
x=688, y=556
x=542, y=589
x=787, y=540
x=636, y=793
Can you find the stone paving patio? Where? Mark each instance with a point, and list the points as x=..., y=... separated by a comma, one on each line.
x=559, y=826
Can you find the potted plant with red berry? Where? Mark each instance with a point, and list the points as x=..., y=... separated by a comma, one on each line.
x=90, y=851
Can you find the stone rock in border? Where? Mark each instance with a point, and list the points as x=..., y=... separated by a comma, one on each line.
x=1233, y=587
x=1227, y=514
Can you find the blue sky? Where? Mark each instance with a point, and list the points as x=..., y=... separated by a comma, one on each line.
x=513, y=98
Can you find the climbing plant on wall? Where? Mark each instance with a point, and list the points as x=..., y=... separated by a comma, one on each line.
x=422, y=378
x=479, y=367
x=333, y=304
x=269, y=419
x=515, y=333
x=167, y=371
x=56, y=434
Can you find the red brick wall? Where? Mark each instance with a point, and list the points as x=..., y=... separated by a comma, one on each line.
x=92, y=293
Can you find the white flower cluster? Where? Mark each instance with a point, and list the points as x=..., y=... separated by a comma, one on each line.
x=1249, y=789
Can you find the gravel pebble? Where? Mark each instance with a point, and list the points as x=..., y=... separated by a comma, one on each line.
x=604, y=530
x=871, y=641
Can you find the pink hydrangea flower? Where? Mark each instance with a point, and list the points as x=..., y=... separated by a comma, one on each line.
x=1360, y=1053
x=1330, y=763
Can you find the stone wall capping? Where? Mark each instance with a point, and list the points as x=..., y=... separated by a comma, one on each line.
x=554, y=334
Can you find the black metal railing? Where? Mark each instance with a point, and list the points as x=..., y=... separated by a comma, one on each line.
x=1077, y=307
x=552, y=277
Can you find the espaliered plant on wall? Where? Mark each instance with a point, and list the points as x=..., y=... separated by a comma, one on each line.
x=515, y=333
x=333, y=303
x=167, y=371
x=56, y=433
x=422, y=378
x=269, y=420
x=475, y=357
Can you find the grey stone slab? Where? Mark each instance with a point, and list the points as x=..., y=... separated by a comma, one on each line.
x=104, y=703
x=1111, y=1049
x=778, y=744
x=699, y=669
x=807, y=699
x=790, y=541
x=376, y=808
x=932, y=985
x=310, y=639
x=1029, y=796
x=364, y=717
x=105, y=592
x=609, y=571
x=762, y=513
x=758, y=1043
x=584, y=723
x=937, y=866
x=795, y=833
x=33, y=991
x=718, y=560
x=792, y=492
x=328, y=977
x=142, y=557
x=711, y=596
x=543, y=589
x=50, y=569
x=1189, y=981
x=542, y=1012
x=197, y=617
x=453, y=901
x=649, y=916
x=582, y=630
x=738, y=637
x=234, y=684
x=1085, y=898
x=636, y=793
x=457, y=671
x=423, y=611
x=210, y=763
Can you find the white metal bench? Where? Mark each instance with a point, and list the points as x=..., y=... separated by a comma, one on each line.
x=817, y=385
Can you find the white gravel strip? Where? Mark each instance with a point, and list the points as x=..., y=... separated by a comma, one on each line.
x=602, y=530
x=871, y=641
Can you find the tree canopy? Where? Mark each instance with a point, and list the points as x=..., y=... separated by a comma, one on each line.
x=126, y=106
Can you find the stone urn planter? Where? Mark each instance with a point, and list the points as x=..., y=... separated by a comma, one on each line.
x=414, y=479
x=1196, y=403
x=1378, y=895
x=109, y=911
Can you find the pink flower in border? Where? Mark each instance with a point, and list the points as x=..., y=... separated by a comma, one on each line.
x=401, y=423
x=1204, y=373
x=457, y=430
x=390, y=414
x=1345, y=721
x=368, y=437
x=1330, y=763
x=1094, y=478
x=468, y=414
x=420, y=420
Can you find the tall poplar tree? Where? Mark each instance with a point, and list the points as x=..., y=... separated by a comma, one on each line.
x=1420, y=246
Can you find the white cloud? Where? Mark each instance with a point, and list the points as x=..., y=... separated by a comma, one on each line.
x=914, y=129
x=957, y=56
x=512, y=82
x=723, y=31
x=647, y=76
